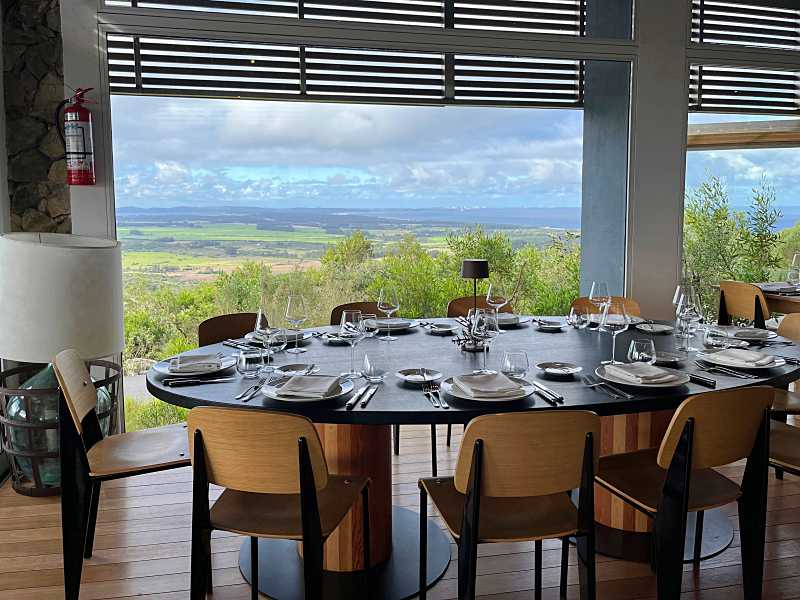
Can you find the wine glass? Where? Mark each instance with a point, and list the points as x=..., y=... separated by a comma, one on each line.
x=598, y=294
x=643, y=351
x=388, y=304
x=261, y=327
x=276, y=342
x=688, y=313
x=485, y=329
x=515, y=364
x=578, y=317
x=296, y=315
x=614, y=320
x=496, y=298
x=793, y=276
x=249, y=362
x=351, y=330
x=796, y=259
x=370, y=324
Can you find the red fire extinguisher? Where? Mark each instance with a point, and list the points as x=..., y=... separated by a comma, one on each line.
x=77, y=138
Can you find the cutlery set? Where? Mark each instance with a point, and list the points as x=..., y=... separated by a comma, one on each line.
x=723, y=370
x=594, y=382
x=364, y=394
x=548, y=395
x=431, y=392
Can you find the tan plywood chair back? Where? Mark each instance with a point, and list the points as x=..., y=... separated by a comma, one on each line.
x=526, y=455
x=632, y=307
x=460, y=307
x=76, y=385
x=220, y=328
x=740, y=300
x=725, y=426
x=790, y=327
x=367, y=308
x=256, y=451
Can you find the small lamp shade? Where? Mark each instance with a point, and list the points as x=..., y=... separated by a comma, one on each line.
x=475, y=268
x=59, y=291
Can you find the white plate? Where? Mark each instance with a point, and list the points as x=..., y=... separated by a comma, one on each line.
x=664, y=357
x=683, y=378
x=551, y=326
x=333, y=340
x=163, y=368
x=296, y=369
x=596, y=318
x=722, y=362
x=291, y=337
x=448, y=388
x=442, y=329
x=382, y=325
x=655, y=328
x=345, y=387
x=728, y=333
x=510, y=323
x=559, y=369
x=414, y=376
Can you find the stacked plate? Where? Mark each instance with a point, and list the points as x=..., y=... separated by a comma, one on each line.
x=394, y=323
x=511, y=320
x=641, y=375
x=194, y=365
x=487, y=388
x=739, y=358
x=308, y=388
x=749, y=334
x=292, y=336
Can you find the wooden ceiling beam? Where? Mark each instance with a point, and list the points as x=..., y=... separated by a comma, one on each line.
x=784, y=133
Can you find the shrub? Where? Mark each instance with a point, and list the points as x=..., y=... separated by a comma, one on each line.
x=144, y=413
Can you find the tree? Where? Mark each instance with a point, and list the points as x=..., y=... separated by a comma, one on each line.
x=348, y=252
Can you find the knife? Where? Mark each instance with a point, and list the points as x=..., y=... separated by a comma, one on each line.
x=545, y=397
x=181, y=382
x=369, y=396
x=352, y=402
x=553, y=395
x=700, y=380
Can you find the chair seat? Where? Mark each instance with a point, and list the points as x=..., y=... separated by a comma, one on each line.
x=278, y=515
x=786, y=402
x=139, y=451
x=636, y=476
x=784, y=445
x=505, y=519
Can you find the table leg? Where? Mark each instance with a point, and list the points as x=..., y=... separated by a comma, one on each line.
x=394, y=531
x=624, y=532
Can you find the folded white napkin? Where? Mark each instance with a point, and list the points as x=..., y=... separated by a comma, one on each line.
x=640, y=373
x=748, y=333
x=309, y=386
x=740, y=357
x=195, y=363
x=487, y=386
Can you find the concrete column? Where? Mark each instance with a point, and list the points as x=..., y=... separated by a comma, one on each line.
x=5, y=204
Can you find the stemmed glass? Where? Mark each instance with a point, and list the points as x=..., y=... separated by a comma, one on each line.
x=496, y=298
x=598, y=294
x=275, y=342
x=388, y=304
x=261, y=328
x=643, y=351
x=296, y=315
x=793, y=277
x=351, y=330
x=614, y=320
x=485, y=329
x=688, y=313
x=515, y=364
x=370, y=324
x=796, y=259
x=578, y=317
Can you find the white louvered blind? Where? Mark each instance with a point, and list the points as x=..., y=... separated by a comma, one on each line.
x=178, y=67
x=733, y=89
x=760, y=23
x=564, y=17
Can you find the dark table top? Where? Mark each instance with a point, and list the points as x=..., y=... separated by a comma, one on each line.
x=398, y=403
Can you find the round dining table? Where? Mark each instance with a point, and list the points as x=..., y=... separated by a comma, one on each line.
x=357, y=441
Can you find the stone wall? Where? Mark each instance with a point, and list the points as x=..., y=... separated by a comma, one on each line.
x=34, y=85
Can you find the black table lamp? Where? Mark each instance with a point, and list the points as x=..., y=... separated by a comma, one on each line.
x=475, y=268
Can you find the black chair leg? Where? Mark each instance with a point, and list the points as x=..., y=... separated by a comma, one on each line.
x=587, y=566
x=90, y=527
x=209, y=567
x=698, y=536
x=564, y=567
x=423, y=543
x=254, y=568
x=366, y=540
x=449, y=434
x=537, y=570
x=396, y=432
x=433, y=451
x=200, y=576
x=753, y=514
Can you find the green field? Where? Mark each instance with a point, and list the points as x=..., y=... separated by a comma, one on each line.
x=228, y=232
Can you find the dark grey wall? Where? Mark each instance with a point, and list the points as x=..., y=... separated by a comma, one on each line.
x=34, y=85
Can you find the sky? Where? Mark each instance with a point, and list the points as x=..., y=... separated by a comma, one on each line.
x=179, y=151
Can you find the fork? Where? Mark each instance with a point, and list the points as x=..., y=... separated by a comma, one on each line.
x=249, y=390
x=426, y=389
x=588, y=382
x=435, y=390
x=723, y=371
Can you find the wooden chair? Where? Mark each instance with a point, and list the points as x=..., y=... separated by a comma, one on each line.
x=707, y=431
x=255, y=457
x=218, y=329
x=786, y=402
x=631, y=306
x=742, y=301
x=784, y=447
x=88, y=459
x=460, y=307
x=512, y=483
x=372, y=309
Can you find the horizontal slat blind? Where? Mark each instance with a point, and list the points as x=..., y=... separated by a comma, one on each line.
x=159, y=66
x=761, y=23
x=563, y=17
x=729, y=89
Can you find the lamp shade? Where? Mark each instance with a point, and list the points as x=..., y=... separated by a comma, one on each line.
x=475, y=268
x=59, y=291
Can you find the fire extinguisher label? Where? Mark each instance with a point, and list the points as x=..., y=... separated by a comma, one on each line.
x=75, y=136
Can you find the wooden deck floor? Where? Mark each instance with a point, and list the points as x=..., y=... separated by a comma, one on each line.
x=142, y=545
